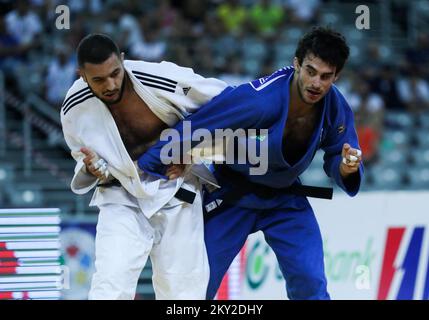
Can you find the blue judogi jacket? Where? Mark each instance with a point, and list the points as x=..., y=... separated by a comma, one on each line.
x=264, y=104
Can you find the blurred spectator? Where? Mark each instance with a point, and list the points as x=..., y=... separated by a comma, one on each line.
x=167, y=15
x=303, y=12
x=181, y=31
x=83, y=6
x=5, y=6
x=23, y=23
x=222, y=43
x=398, y=12
x=11, y=55
x=267, y=68
x=418, y=56
x=414, y=91
x=61, y=74
x=346, y=82
x=266, y=17
x=121, y=26
x=129, y=28
x=153, y=48
x=385, y=84
x=373, y=56
x=204, y=61
x=233, y=16
x=194, y=10
x=234, y=74
x=11, y=51
x=369, y=117
x=179, y=54
x=79, y=31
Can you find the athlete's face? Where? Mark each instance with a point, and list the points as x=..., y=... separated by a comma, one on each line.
x=106, y=80
x=314, y=78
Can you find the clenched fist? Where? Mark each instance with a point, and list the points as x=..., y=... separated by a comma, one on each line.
x=175, y=170
x=94, y=164
x=351, y=160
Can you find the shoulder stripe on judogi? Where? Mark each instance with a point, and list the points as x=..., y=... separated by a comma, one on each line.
x=150, y=84
x=153, y=76
x=76, y=95
x=168, y=85
x=155, y=86
x=76, y=102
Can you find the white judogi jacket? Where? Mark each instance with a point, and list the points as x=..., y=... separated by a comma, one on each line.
x=170, y=91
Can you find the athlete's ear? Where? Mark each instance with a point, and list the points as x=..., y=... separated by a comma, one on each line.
x=81, y=73
x=122, y=56
x=337, y=75
x=296, y=64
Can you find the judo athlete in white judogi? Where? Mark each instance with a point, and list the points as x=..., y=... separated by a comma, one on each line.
x=110, y=116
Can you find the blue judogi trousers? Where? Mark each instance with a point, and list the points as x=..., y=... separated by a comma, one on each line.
x=292, y=233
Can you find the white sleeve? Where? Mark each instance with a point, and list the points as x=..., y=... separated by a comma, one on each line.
x=193, y=89
x=82, y=182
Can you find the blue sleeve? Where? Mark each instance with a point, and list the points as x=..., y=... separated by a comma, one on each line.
x=233, y=108
x=341, y=131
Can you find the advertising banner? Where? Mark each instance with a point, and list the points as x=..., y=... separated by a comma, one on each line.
x=376, y=246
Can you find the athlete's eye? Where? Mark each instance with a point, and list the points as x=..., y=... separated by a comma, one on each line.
x=311, y=72
x=326, y=76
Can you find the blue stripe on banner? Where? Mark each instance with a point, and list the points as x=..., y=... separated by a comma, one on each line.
x=410, y=265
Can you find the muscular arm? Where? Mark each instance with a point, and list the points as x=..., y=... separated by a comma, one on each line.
x=234, y=108
x=348, y=180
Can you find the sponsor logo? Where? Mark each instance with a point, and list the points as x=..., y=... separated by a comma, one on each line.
x=186, y=90
x=350, y=265
x=404, y=273
x=78, y=253
x=260, y=267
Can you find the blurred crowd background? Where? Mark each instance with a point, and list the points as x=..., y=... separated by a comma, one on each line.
x=386, y=80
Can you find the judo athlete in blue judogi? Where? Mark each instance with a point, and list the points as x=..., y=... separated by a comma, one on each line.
x=303, y=112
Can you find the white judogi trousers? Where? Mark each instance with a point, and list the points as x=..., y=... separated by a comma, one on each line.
x=173, y=238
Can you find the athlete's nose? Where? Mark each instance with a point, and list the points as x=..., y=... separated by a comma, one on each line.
x=316, y=84
x=110, y=84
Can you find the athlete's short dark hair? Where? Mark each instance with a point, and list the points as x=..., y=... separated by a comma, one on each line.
x=326, y=44
x=96, y=48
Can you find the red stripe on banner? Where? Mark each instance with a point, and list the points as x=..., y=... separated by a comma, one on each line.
x=25, y=295
x=393, y=240
x=223, y=292
x=7, y=254
x=243, y=259
x=2, y=245
x=6, y=295
x=8, y=270
x=9, y=263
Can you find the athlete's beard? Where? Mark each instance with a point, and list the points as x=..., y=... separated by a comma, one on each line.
x=299, y=89
x=121, y=92
x=301, y=94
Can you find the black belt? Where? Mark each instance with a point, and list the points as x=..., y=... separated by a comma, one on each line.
x=242, y=186
x=181, y=194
